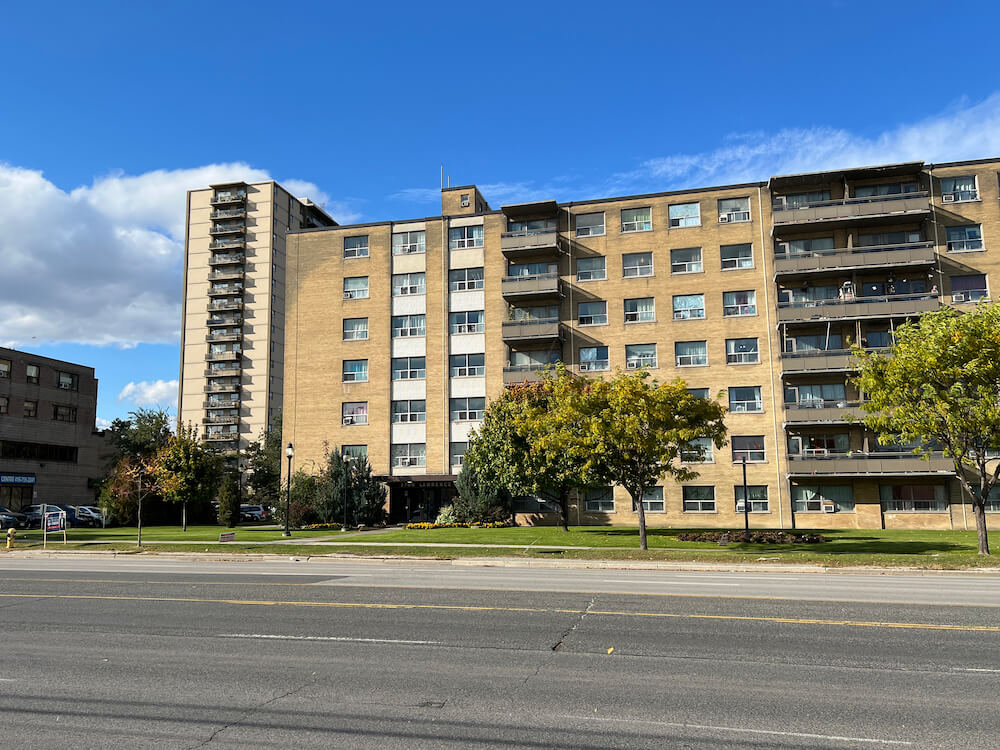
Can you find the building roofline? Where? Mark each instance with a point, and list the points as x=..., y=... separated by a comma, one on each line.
x=5, y=352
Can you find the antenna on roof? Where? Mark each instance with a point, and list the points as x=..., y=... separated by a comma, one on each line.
x=442, y=176
x=449, y=180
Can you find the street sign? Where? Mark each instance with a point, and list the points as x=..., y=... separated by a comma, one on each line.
x=55, y=521
x=227, y=536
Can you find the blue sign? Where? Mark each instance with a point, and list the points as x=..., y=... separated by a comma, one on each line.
x=55, y=521
x=17, y=478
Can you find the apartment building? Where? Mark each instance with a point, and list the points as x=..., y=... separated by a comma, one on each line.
x=232, y=339
x=400, y=332
x=50, y=450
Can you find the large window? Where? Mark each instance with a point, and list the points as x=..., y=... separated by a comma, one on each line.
x=30, y=409
x=3, y=404
x=469, y=321
x=463, y=237
x=637, y=219
x=890, y=188
x=409, y=325
x=698, y=451
x=404, y=243
x=354, y=412
x=745, y=398
x=736, y=256
x=32, y=373
x=686, y=260
x=590, y=225
x=4, y=368
x=734, y=210
x=640, y=355
x=62, y=413
x=598, y=500
x=531, y=226
x=355, y=371
x=750, y=447
x=458, y=451
x=690, y=353
x=408, y=454
x=652, y=500
x=689, y=306
x=355, y=287
x=685, y=215
x=913, y=498
x=468, y=365
x=467, y=409
x=816, y=396
x=355, y=329
x=742, y=351
x=535, y=312
x=961, y=239
x=801, y=200
x=411, y=410
x=519, y=270
x=637, y=264
x=536, y=359
x=591, y=269
x=737, y=304
x=592, y=313
x=698, y=499
x=465, y=279
x=968, y=288
x=959, y=189
x=354, y=452
x=819, y=445
x=876, y=239
x=757, y=494
x=409, y=368
x=641, y=310
x=70, y=381
x=356, y=247
x=812, y=498
x=594, y=358
x=409, y=283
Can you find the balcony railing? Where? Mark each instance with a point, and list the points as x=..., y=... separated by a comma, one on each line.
x=524, y=373
x=225, y=291
x=228, y=369
x=223, y=243
x=232, y=320
x=226, y=304
x=223, y=356
x=229, y=274
x=235, y=196
x=543, y=285
x=829, y=360
x=520, y=330
x=238, y=226
x=886, y=306
x=851, y=209
x=221, y=437
x=221, y=259
x=820, y=411
x=529, y=240
x=222, y=388
x=227, y=419
x=224, y=337
x=848, y=258
x=862, y=464
x=214, y=403
x=228, y=213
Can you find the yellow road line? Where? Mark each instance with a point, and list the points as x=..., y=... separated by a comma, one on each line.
x=534, y=610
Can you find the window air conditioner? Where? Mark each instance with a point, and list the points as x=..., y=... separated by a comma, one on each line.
x=723, y=218
x=64, y=386
x=632, y=364
x=404, y=461
x=584, y=366
x=958, y=297
x=948, y=198
x=348, y=420
x=740, y=507
x=829, y=508
x=631, y=317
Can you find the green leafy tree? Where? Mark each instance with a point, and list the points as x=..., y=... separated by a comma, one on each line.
x=142, y=434
x=939, y=387
x=263, y=465
x=187, y=471
x=477, y=503
x=636, y=429
x=366, y=495
x=229, y=498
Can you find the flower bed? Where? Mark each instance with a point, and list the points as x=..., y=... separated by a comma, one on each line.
x=756, y=537
x=490, y=525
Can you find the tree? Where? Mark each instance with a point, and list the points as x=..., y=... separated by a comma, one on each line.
x=636, y=429
x=263, y=464
x=229, y=499
x=142, y=434
x=186, y=471
x=366, y=494
x=477, y=503
x=939, y=387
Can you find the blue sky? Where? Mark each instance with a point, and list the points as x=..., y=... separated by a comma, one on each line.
x=110, y=111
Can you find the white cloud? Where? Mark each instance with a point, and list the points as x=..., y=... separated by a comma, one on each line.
x=162, y=393
x=102, y=264
x=102, y=424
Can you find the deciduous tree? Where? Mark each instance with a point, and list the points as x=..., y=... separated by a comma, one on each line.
x=187, y=471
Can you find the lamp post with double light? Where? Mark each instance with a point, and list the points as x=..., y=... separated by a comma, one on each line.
x=289, y=451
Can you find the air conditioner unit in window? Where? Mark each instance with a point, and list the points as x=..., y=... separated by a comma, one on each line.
x=631, y=317
x=584, y=366
x=64, y=386
x=958, y=297
x=948, y=198
x=348, y=420
x=632, y=365
x=829, y=508
x=723, y=218
x=740, y=507
x=404, y=462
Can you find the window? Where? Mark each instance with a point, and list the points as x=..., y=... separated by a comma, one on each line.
x=757, y=493
x=63, y=413
x=463, y=237
x=592, y=313
x=816, y=396
x=69, y=381
x=698, y=451
x=598, y=500
x=892, y=188
x=652, y=500
x=464, y=200
x=821, y=343
x=409, y=368
x=408, y=283
x=590, y=225
x=467, y=409
x=404, y=243
x=689, y=306
x=812, y=498
x=593, y=358
x=913, y=498
x=37, y=451
x=698, y=499
x=356, y=247
x=734, y=210
x=465, y=279
x=742, y=351
x=805, y=446
x=355, y=329
x=355, y=371
x=642, y=310
x=736, y=256
x=468, y=365
x=4, y=368
x=699, y=392
x=409, y=411
x=409, y=325
x=993, y=499
x=536, y=312
x=30, y=409
x=959, y=189
x=470, y=321
x=640, y=355
x=531, y=226
x=805, y=247
x=637, y=264
x=356, y=287
x=801, y=200
x=690, y=353
x=519, y=270
x=968, y=288
x=686, y=260
x=685, y=215
x=3, y=404
x=354, y=412
x=590, y=269
x=354, y=452
x=532, y=359
x=745, y=399
x=31, y=371
x=965, y=238
x=736, y=304
x=458, y=451
x=876, y=239
x=408, y=454
x=637, y=219
x=750, y=447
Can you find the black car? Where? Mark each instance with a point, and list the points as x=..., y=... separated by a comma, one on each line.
x=12, y=519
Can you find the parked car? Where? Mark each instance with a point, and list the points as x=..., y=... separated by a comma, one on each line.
x=12, y=519
x=89, y=515
x=253, y=513
x=34, y=514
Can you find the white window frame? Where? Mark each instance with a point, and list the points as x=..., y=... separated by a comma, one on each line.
x=754, y=455
x=467, y=370
x=465, y=241
x=757, y=505
x=409, y=288
x=415, y=454
x=353, y=377
x=653, y=501
x=687, y=266
x=361, y=251
x=356, y=418
x=411, y=242
x=626, y=269
x=419, y=373
x=688, y=313
x=704, y=505
x=409, y=331
x=754, y=406
x=959, y=196
x=357, y=334
x=455, y=327
x=361, y=293
x=592, y=275
x=708, y=452
x=739, y=262
x=599, y=500
x=593, y=319
x=590, y=231
x=966, y=245
x=637, y=361
x=466, y=284
x=680, y=222
x=743, y=358
x=734, y=217
x=640, y=316
x=740, y=310
x=466, y=413
x=690, y=360
x=409, y=416
x=637, y=225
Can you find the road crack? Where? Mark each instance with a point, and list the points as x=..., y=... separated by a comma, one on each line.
x=558, y=644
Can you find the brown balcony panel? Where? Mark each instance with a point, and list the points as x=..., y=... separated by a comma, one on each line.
x=921, y=254
x=881, y=307
x=220, y=420
x=210, y=404
x=826, y=414
x=223, y=356
x=889, y=464
x=541, y=287
x=522, y=374
x=854, y=210
x=224, y=229
x=223, y=338
x=531, y=330
x=832, y=361
x=530, y=242
x=228, y=292
x=229, y=213
x=223, y=438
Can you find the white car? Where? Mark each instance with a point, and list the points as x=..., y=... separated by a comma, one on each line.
x=88, y=514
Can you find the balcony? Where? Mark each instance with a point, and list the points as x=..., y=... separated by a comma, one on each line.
x=856, y=258
x=857, y=211
x=225, y=291
x=529, y=242
x=229, y=213
x=227, y=274
x=227, y=419
x=221, y=259
x=221, y=437
x=229, y=197
x=543, y=286
x=230, y=228
x=220, y=404
x=832, y=360
x=223, y=356
x=225, y=304
x=226, y=242
x=222, y=388
x=523, y=373
x=890, y=306
x=548, y=329
x=869, y=464
x=223, y=337
x=228, y=369
x=823, y=412
x=225, y=320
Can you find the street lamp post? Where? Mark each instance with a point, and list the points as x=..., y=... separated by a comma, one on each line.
x=746, y=504
x=289, y=451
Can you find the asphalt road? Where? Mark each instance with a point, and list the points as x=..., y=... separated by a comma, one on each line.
x=134, y=653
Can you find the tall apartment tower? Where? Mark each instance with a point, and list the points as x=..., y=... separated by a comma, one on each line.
x=400, y=332
x=232, y=338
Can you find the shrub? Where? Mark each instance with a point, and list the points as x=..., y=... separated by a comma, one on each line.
x=756, y=537
x=446, y=516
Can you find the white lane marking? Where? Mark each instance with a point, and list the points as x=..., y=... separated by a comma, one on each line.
x=669, y=583
x=974, y=669
x=772, y=732
x=7, y=679
x=327, y=638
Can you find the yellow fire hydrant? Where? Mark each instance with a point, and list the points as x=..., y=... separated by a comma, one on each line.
x=11, y=536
